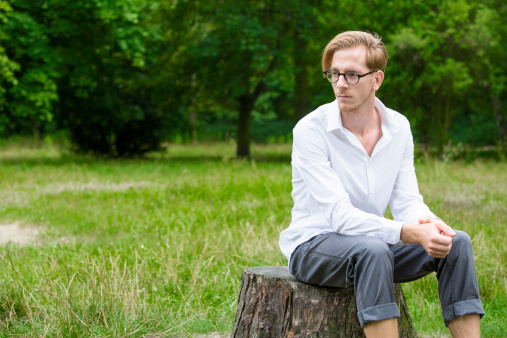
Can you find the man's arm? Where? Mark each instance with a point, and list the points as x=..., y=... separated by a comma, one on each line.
x=406, y=203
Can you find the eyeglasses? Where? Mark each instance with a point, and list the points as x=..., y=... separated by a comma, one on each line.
x=351, y=78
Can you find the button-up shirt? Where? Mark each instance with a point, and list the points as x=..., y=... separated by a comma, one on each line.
x=338, y=187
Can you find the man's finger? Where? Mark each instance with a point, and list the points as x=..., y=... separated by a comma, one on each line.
x=444, y=228
x=425, y=219
x=441, y=247
x=442, y=242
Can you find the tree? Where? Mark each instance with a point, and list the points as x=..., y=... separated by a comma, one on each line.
x=431, y=70
x=238, y=57
x=28, y=70
x=105, y=95
x=487, y=37
x=85, y=65
x=121, y=76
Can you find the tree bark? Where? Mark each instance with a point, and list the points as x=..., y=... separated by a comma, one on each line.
x=500, y=119
x=301, y=101
x=272, y=303
x=246, y=106
x=246, y=103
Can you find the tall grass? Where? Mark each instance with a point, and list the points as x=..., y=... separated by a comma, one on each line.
x=157, y=246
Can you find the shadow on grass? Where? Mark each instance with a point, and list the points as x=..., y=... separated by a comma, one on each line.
x=69, y=159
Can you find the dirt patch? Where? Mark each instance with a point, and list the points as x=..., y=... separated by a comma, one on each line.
x=15, y=233
x=96, y=186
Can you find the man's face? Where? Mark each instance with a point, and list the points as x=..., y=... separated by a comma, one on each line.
x=352, y=98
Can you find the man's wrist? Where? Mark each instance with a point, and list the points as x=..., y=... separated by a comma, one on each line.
x=408, y=233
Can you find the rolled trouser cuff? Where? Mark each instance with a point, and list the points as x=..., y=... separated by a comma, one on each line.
x=466, y=307
x=377, y=313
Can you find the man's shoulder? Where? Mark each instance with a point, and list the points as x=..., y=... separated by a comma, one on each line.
x=398, y=117
x=317, y=118
x=395, y=119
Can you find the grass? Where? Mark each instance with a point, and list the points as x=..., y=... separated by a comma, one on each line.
x=156, y=247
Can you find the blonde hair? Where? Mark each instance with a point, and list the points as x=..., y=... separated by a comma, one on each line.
x=376, y=57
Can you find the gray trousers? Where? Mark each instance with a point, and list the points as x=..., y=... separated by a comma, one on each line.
x=371, y=266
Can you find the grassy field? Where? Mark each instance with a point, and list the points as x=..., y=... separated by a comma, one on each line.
x=156, y=247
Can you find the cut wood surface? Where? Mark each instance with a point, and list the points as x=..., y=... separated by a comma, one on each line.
x=272, y=303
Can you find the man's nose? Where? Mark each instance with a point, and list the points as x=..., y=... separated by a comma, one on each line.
x=341, y=81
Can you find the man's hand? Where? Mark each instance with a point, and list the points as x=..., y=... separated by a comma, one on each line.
x=444, y=228
x=434, y=235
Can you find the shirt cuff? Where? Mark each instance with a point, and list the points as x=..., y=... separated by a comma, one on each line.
x=392, y=231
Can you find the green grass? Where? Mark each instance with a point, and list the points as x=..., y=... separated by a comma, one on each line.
x=157, y=246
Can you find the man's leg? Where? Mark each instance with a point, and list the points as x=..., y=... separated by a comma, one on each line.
x=382, y=329
x=465, y=326
x=457, y=281
x=366, y=263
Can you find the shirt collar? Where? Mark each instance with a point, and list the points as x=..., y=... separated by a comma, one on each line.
x=387, y=115
x=334, y=118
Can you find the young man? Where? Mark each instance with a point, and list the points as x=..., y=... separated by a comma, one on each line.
x=350, y=159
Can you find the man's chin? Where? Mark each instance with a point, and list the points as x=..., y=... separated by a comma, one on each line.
x=345, y=107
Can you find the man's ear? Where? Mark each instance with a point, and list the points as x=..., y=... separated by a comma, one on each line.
x=378, y=77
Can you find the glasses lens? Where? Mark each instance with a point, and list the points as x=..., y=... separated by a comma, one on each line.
x=352, y=78
x=331, y=76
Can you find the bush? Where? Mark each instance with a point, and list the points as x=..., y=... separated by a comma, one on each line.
x=115, y=125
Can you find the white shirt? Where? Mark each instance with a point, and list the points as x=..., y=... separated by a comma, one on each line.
x=338, y=187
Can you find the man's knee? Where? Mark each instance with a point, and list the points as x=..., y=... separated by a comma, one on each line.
x=461, y=241
x=461, y=250
x=376, y=251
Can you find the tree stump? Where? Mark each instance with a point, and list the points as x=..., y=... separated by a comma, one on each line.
x=272, y=303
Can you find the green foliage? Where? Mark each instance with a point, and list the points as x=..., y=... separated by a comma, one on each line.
x=105, y=98
x=86, y=65
x=103, y=69
x=431, y=59
x=438, y=67
x=235, y=58
x=28, y=71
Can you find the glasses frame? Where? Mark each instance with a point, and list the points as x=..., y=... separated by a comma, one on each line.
x=359, y=76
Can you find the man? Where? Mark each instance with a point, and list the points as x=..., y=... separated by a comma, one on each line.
x=350, y=159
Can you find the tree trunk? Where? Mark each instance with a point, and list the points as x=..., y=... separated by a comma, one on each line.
x=246, y=103
x=272, y=303
x=437, y=125
x=192, y=126
x=301, y=102
x=500, y=119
